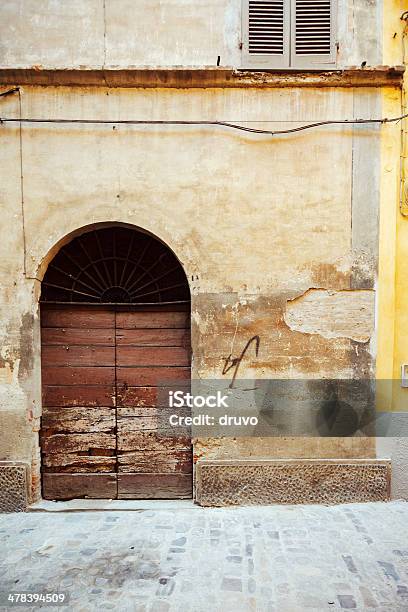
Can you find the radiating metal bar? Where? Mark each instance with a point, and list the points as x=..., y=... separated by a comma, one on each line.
x=108, y=276
x=69, y=290
x=127, y=258
x=147, y=270
x=91, y=262
x=138, y=263
x=74, y=279
x=115, y=270
x=157, y=278
x=72, y=260
x=162, y=290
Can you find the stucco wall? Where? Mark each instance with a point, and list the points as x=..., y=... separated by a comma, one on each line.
x=393, y=291
x=125, y=33
x=259, y=223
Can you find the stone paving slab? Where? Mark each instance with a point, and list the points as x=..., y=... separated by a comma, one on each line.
x=272, y=559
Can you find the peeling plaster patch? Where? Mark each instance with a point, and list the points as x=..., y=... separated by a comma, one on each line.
x=333, y=314
x=7, y=376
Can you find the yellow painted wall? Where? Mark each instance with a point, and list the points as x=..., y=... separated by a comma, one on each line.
x=400, y=398
x=392, y=307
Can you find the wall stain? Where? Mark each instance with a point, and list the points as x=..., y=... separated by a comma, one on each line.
x=26, y=346
x=234, y=362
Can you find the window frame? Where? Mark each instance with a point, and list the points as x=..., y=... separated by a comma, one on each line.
x=289, y=60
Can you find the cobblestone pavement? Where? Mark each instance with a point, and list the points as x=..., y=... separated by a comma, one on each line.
x=276, y=558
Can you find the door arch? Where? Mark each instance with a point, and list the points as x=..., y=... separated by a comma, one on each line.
x=115, y=328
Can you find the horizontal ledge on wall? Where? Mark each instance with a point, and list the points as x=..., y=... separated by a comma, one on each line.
x=183, y=77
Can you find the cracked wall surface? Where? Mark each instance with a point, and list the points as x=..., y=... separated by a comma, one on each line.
x=256, y=223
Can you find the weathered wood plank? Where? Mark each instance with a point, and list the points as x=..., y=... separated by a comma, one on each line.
x=74, y=375
x=155, y=486
x=137, y=411
x=149, y=396
x=145, y=423
x=158, y=422
x=137, y=424
x=70, y=486
x=70, y=355
x=134, y=440
x=74, y=463
x=92, y=443
x=153, y=337
x=152, y=376
x=149, y=320
x=78, y=420
x=170, y=461
x=137, y=396
x=165, y=467
x=146, y=456
x=152, y=356
x=78, y=395
x=77, y=316
x=73, y=337
x=159, y=412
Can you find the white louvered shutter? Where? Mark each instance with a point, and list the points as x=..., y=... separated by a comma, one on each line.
x=289, y=33
x=266, y=27
x=312, y=33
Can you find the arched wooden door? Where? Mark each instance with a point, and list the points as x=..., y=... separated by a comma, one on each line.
x=115, y=326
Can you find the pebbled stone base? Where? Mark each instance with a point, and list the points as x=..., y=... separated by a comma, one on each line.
x=13, y=487
x=264, y=481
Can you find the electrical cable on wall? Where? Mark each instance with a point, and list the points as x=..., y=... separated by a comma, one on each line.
x=226, y=124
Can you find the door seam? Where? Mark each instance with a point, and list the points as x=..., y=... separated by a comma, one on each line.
x=116, y=411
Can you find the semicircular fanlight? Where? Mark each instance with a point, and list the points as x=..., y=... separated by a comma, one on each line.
x=115, y=265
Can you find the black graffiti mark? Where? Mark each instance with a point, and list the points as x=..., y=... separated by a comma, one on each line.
x=235, y=362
